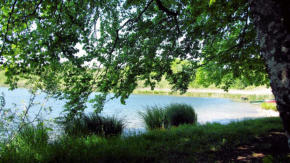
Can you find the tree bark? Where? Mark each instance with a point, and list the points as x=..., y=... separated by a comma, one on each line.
x=271, y=18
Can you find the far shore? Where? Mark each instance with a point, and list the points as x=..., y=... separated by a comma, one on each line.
x=255, y=91
x=239, y=95
x=245, y=95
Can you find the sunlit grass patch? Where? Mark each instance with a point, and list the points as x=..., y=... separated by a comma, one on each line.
x=269, y=106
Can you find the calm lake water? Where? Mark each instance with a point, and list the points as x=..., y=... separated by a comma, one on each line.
x=208, y=109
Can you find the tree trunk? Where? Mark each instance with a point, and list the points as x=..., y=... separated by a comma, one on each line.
x=271, y=18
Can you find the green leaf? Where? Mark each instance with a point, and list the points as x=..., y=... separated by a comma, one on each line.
x=211, y=2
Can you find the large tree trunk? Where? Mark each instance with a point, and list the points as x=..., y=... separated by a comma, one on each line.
x=271, y=18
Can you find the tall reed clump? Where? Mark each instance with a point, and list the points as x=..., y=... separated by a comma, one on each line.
x=165, y=117
x=28, y=144
x=34, y=136
x=153, y=117
x=94, y=124
x=178, y=114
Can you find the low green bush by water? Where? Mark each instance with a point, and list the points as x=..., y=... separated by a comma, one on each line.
x=153, y=117
x=112, y=126
x=178, y=114
x=94, y=124
x=165, y=117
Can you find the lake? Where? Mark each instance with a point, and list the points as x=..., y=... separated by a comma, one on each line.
x=208, y=109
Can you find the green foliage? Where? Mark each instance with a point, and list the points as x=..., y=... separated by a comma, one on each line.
x=93, y=124
x=223, y=78
x=172, y=115
x=112, y=126
x=154, y=117
x=128, y=41
x=178, y=114
x=98, y=102
x=211, y=2
x=186, y=143
x=75, y=126
x=28, y=145
x=269, y=106
x=14, y=118
x=44, y=51
x=32, y=136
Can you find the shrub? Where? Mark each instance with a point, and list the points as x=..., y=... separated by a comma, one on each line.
x=172, y=115
x=177, y=114
x=153, y=117
x=94, y=124
x=112, y=126
x=75, y=126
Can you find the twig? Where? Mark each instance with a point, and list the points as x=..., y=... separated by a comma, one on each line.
x=30, y=104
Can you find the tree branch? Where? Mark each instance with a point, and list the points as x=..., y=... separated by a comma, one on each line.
x=177, y=25
x=166, y=10
x=138, y=17
x=24, y=18
x=169, y=13
x=128, y=21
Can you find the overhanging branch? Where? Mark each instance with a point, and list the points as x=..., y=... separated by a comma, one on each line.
x=7, y=28
x=166, y=10
x=128, y=21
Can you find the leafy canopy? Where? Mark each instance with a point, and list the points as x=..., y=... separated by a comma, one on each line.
x=126, y=41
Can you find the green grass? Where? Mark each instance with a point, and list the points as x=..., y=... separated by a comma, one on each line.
x=29, y=144
x=269, y=106
x=153, y=117
x=187, y=143
x=178, y=114
x=166, y=117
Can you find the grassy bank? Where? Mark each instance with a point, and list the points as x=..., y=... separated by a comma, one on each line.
x=201, y=143
x=21, y=83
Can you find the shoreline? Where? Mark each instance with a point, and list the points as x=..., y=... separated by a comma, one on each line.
x=236, y=95
x=244, y=96
x=255, y=91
